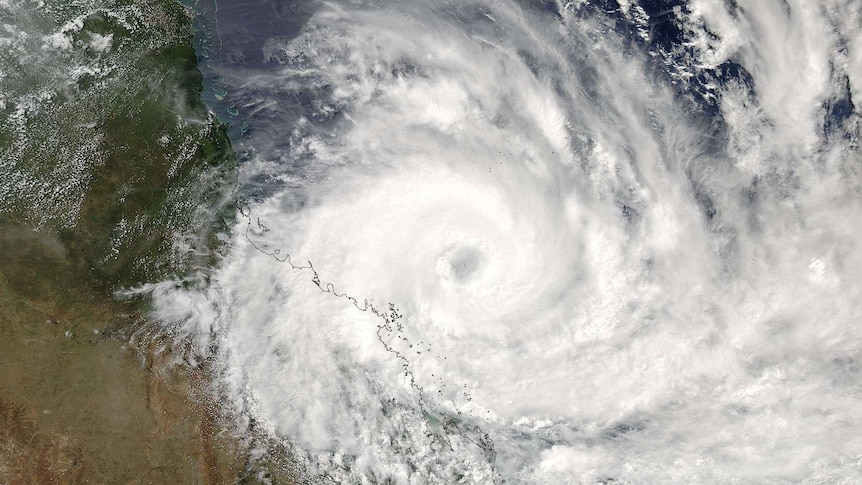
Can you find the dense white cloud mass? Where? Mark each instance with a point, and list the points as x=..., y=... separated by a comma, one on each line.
x=598, y=273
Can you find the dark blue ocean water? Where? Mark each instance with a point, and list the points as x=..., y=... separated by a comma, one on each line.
x=231, y=36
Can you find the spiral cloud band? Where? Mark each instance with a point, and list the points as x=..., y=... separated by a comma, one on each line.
x=528, y=242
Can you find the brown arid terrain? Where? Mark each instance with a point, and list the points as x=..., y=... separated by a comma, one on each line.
x=80, y=401
x=108, y=179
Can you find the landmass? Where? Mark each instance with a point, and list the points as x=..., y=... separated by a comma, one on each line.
x=113, y=174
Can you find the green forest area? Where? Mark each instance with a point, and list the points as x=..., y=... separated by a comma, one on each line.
x=113, y=174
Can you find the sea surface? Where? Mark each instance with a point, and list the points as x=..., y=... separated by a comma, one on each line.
x=539, y=242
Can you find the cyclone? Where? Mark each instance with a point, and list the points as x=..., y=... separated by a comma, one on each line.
x=526, y=242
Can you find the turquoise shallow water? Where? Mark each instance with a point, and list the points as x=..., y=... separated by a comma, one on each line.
x=230, y=38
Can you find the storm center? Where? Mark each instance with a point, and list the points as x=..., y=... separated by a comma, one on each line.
x=460, y=264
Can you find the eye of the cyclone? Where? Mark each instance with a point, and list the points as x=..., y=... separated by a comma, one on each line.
x=460, y=264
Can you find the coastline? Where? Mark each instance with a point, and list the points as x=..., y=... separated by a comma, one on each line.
x=90, y=391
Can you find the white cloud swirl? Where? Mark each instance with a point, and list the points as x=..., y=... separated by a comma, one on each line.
x=584, y=271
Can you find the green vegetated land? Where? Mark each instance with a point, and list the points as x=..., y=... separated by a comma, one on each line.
x=112, y=173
